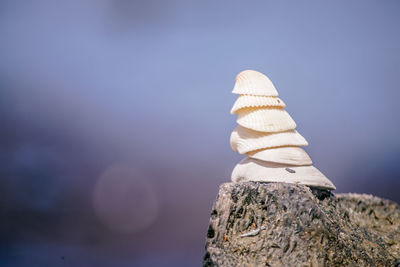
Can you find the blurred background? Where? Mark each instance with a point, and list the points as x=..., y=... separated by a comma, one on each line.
x=115, y=124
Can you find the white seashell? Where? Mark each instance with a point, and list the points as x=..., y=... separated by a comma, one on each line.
x=245, y=101
x=259, y=171
x=265, y=119
x=283, y=155
x=251, y=82
x=245, y=140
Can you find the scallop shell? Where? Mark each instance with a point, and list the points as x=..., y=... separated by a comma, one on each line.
x=245, y=140
x=259, y=171
x=283, y=155
x=245, y=101
x=265, y=119
x=251, y=82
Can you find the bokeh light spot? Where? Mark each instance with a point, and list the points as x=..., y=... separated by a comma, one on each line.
x=124, y=201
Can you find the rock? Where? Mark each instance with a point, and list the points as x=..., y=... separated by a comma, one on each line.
x=278, y=224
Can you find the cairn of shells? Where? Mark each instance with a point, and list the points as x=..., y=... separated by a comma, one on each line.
x=266, y=134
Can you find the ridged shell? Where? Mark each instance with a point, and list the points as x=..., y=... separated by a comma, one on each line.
x=283, y=155
x=259, y=171
x=265, y=119
x=245, y=101
x=251, y=82
x=245, y=140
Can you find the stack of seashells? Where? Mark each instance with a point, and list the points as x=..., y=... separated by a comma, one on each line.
x=266, y=133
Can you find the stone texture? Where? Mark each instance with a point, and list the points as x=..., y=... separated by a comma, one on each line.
x=278, y=224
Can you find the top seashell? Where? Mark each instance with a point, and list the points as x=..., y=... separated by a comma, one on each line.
x=251, y=82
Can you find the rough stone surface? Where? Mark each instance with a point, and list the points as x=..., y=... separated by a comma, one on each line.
x=278, y=224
